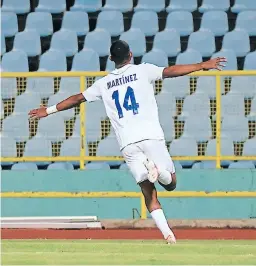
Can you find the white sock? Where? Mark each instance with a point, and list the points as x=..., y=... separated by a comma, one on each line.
x=161, y=222
x=165, y=177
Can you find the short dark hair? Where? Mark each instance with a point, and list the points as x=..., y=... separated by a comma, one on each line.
x=119, y=51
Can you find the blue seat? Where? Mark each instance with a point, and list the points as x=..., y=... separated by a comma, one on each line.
x=156, y=57
x=243, y=5
x=28, y=42
x=215, y=21
x=8, y=88
x=231, y=63
x=236, y=128
x=246, y=21
x=87, y=6
x=111, y=21
x=59, y=97
x=242, y=165
x=186, y=5
x=25, y=166
x=3, y=46
x=40, y=22
x=166, y=105
x=16, y=6
x=76, y=21
x=32, y=101
x=198, y=127
x=209, y=5
x=146, y=21
x=69, y=85
x=240, y=38
x=60, y=166
x=249, y=148
x=204, y=165
x=123, y=6
x=65, y=41
x=9, y=24
x=184, y=147
x=15, y=61
x=99, y=41
x=123, y=166
x=1, y=108
x=203, y=42
x=177, y=165
x=53, y=61
x=227, y=149
x=136, y=40
x=232, y=104
x=245, y=86
x=96, y=110
x=168, y=42
x=86, y=60
x=250, y=61
x=181, y=21
x=152, y=5
x=109, y=147
x=97, y=166
x=189, y=57
x=54, y=7
x=8, y=148
x=252, y=115
x=179, y=87
x=167, y=124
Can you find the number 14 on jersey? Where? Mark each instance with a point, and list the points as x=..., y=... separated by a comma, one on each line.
x=129, y=96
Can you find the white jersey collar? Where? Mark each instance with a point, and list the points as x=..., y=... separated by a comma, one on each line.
x=120, y=70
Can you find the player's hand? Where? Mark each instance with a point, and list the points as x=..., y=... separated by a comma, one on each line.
x=215, y=63
x=38, y=113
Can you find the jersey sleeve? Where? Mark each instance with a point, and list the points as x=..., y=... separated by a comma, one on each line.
x=93, y=93
x=154, y=72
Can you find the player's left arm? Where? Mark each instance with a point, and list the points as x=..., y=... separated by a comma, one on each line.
x=181, y=70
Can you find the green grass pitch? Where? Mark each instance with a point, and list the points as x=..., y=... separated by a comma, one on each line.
x=137, y=252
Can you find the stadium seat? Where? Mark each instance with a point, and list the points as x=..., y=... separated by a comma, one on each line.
x=136, y=40
x=151, y=5
x=86, y=60
x=246, y=21
x=250, y=61
x=26, y=102
x=183, y=147
x=167, y=124
x=177, y=165
x=3, y=46
x=76, y=21
x=198, y=127
x=111, y=21
x=99, y=41
x=250, y=148
x=204, y=165
x=9, y=24
x=122, y=6
x=54, y=7
x=189, y=57
x=180, y=21
x=232, y=104
x=252, y=115
x=123, y=166
x=186, y=5
x=179, y=87
x=168, y=42
x=53, y=61
x=110, y=66
x=69, y=85
x=241, y=40
x=58, y=97
x=71, y=147
x=16, y=127
x=245, y=86
x=44, y=87
x=16, y=6
x=236, y=127
x=166, y=105
x=97, y=166
x=28, y=42
x=60, y=166
x=51, y=128
x=8, y=88
x=87, y=6
x=203, y=42
x=109, y=147
x=242, y=165
x=2, y=108
x=146, y=21
x=243, y=5
x=15, y=61
x=209, y=5
x=40, y=22
x=25, y=166
x=215, y=21
x=231, y=63
x=37, y=147
x=195, y=105
x=156, y=57
x=8, y=148
x=65, y=41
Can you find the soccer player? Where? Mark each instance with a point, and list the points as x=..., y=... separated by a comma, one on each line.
x=128, y=96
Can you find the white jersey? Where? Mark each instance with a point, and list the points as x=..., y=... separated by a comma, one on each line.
x=128, y=96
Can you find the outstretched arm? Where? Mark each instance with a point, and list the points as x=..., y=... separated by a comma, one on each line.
x=68, y=103
x=181, y=70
